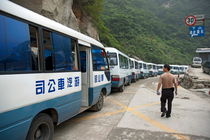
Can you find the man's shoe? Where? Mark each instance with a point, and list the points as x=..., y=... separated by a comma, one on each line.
x=163, y=114
x=168, y=116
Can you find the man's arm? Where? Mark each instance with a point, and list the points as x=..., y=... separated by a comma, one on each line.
x=175, y=85
x=159, y=85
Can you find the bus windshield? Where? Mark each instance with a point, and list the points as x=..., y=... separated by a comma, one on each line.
x=112, y=57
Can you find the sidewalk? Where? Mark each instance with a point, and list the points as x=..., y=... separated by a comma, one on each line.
x=190, y=115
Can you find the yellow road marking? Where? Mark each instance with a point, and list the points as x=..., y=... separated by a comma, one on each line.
x=106, y=114
x=99, y=115
x=145, y=105
x=159, y=125
x=150, y=121
x=138, y=114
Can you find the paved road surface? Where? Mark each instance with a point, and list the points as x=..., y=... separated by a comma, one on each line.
x=134, y=115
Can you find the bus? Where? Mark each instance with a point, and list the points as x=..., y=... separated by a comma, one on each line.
x=142, y=74
x=174, y=69
x=181, y=69
x=119, y=68
x=155, y=69
x=137, y=70
x=134, y=69
x=48, y=74
x=160, y=68
x=150, y=69
x=145, y=70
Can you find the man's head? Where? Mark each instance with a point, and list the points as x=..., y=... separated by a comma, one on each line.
x=166, y=68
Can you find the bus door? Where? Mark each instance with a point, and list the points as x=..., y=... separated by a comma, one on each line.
x=85, y=69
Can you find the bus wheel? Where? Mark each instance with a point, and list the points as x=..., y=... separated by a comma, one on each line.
x=42, y=128
x=99, y=105
x=122, y=88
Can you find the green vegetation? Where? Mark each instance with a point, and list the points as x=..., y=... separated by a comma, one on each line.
x=152, y=30
x=92, y=7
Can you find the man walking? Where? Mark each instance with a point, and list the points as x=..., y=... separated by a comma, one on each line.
x=168, y=83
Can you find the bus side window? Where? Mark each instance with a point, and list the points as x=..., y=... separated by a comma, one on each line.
x=34, y=47
x=48, y=58
x=122, y=62
x=60, y=52
x=15, y=52
x=74, y=56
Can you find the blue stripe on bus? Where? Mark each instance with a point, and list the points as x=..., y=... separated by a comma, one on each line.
x=95, y=92
x=15, y=124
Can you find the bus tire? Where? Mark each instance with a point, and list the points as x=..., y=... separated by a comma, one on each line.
x=99, y=105
x=122, y=88
x=41, y=128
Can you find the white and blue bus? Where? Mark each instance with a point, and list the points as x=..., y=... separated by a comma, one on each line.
x=48, y=74
x=150, y=69
x=142, y=74
x=160, y=68
x=155, y=69
x=119, y=68
x=174, y=69
x=134, y=69
x=143, y=69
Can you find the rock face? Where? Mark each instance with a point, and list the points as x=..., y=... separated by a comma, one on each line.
x=64, y=12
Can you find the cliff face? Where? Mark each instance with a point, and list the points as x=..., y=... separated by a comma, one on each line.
x=66, y=12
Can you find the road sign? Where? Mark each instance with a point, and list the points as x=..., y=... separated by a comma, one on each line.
x=196, y=31
x=199, y=19
x=190, y=20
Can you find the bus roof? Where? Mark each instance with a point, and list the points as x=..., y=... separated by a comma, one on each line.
x=151, y=64
x=23, y=13
x=133, y=59
x=140, y=61
x=111, y=49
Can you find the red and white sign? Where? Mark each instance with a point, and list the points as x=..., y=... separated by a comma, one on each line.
x=190, y=20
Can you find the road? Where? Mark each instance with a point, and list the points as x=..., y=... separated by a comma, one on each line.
x=135, y=115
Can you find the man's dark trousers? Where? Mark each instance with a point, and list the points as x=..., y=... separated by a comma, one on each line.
x=167, y=95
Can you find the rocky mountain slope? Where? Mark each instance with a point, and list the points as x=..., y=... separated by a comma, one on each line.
x=66, y=12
